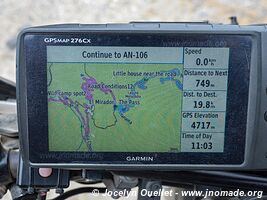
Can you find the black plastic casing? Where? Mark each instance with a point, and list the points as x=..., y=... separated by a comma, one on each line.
x=255, y=149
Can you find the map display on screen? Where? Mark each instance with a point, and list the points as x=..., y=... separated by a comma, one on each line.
x=136, y=99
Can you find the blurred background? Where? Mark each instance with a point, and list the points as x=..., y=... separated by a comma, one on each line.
x=16, y=15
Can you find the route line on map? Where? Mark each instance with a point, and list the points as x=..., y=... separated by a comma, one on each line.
x=50, y=74
x=89, y=96
x=81, y=143
x=108, y=126
x=84, y=122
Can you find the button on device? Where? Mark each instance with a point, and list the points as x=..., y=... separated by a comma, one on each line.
x=45, y=172
x=265, y=115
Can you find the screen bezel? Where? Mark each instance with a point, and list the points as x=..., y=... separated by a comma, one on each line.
x=237, y=101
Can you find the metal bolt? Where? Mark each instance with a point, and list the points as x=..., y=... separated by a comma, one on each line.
x=30, y=190
x=59, y=190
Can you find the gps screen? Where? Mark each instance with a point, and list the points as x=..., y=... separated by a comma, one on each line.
x=137, y=99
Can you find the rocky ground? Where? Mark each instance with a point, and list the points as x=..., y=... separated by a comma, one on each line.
x=16, y=15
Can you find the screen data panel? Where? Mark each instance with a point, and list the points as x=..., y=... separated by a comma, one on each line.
x=137, y=99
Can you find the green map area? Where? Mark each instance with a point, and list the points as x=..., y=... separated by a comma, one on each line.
x=99, y=107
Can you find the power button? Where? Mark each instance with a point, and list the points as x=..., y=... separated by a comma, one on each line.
x=265, y=115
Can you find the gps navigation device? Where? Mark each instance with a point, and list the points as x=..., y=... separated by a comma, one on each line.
x=143, y=96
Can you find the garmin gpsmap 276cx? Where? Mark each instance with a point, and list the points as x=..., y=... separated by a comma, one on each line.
x=161, y=96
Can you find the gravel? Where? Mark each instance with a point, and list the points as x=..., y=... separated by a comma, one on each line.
x=16, y=15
